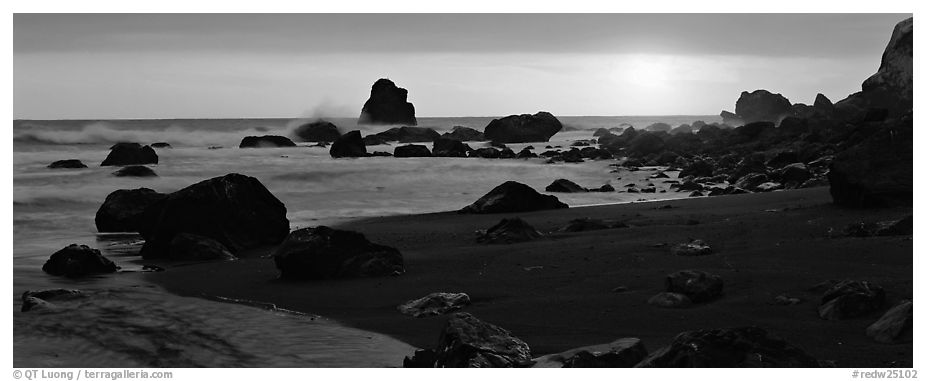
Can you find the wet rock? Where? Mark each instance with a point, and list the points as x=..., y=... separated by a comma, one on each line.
x=669, y=300
x=323, y=252
x=751, y=181
x=621, y=353
x=525, y=154
x=603, y=188
x=411, y=150
x=437, y=303
x=588, y=224
x=878, y=171
x=235, y=210
x=464, y=134
x=388, y=104
x=444, y=147
x=130, y=154
x=894, y=323
x=192, y=247
x=572, y=156
x=467, y=342
x=565, y=186
x=699, y=286
x=507, y=153
x=266, y=141
x=523, y=128
x=903, y=226
x=646, y=143
x=407, y=135
x=744, y=347
x=849, y=298
x=40, y=300
x=761, y=105
x=485, y=153
x=135, y=171
x=509, y=230
x=693, y=248
x=69, y=164
x=75, y=261
x=768, y=186
x=513, y=197
x=36, y=304
x=349, y=145
x=317, y=131
x=122, y=210
x=796, y=173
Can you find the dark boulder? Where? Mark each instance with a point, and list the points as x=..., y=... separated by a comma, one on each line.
x=122, y=210
x=782, y=159
x=601, y=132
x=467, y=342
x=823, y=105
x=793, y=126
x=194, y=247
x=603, y=188
x=572, y=156
x=40, y=300
x=644, y=144
x=697, y=168
x=658, y=126
x=523, y=128
x=744, y=347
x=681, y=129
x=445, y=147
x=407, y=135
x=508, y=230
x=135, y=171
x=588, y=224
x=437, y=303
x=893, y=324
x=375, y=140
x=513, y=197
x=464, y=134
x=161, y=145
x=323, y=252
x=849, y=298
x=761, y=105
x=794, y=174
x=235, y=210
x=317, y=131
x=506, y=153
x=692, y=248
x=69, y=163
x=411, y=150
x=730, y=118
x=525, y=154
x=130, y=154
x=485, y=153
x=266, y=141
x=75, y=261
x=698, y=285
x=878, y=171
x=669, y=300
x=565, y=186
x=349, y=145
x=621, y=353
x=388, y=104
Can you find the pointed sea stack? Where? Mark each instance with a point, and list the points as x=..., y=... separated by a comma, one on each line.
x=388, y=104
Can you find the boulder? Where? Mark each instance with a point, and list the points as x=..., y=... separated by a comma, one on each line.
x=485, y=153
x=525, y=154
x=669, y=300
x=235, y=210
x=40, y=300
x=464, y=134
x=69, y=164
x=850, y=298
x=508, y=230
x=730, y=118
x=894, y=323
x=743, y=347
x=75, y=261
x=513, y=197
x=588, y=224
x=317, y=131
x=762, y=105
x=186, y=246
x=322, y=252
x=266, y=141
x=903, y=226
x=681, y=129
x=407, y=135
x=796, y=174
x=375, y=140
x=878, y=171
x=646, y=143
x=601, y=132
x=506, y=153
x=130, y=154
x=698, y=285
x=437, y=303
x=565, y=186
x=122, y=211
x=697, y=168
x=161, y=145
x=411, y=150
x=603, y=188
x=467, y=342
x=523, y=128
x=446, y=147
x=891, y=87
x=388, y=104
x=348, y=145
x=135, y=171
x=695, y=247
x=621, y=353
x=658, y=126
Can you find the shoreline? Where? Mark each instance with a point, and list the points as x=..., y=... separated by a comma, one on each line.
x=556, y=293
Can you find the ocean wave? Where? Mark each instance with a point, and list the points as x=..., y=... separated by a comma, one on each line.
x=108, y=133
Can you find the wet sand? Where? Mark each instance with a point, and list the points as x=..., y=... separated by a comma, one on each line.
x=558, y=293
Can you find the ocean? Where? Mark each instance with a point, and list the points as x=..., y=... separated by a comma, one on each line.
x=125, y=321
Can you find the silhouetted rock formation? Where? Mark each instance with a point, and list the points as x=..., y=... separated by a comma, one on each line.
x=323, y=252
x=762, y=106
x=130, y=154
x=524, y=128
x=76, y=261
x=122, y=211
x=446, y=147
x=513, y=197
x=235, y=210
x=891, y=88
x=565, y=186
x=744, y=347
x=266, y=141
x=464, y=134
x=317, y=131
x=388, y=104
x=161, y=145
x=348, y=145
x=135, y=171
x=405, y=135
x=411, y=150
x=69, y=163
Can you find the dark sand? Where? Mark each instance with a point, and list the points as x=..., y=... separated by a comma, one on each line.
x=556, y=293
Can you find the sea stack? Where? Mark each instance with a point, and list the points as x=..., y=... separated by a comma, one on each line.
x=388, y=104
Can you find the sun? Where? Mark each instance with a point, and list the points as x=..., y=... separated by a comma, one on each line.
x=643, y=71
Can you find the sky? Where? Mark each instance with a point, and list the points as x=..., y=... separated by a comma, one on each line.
x=107, y=66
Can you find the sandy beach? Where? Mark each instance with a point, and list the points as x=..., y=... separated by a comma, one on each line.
x=558, y=292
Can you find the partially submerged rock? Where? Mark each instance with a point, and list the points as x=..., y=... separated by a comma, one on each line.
x=388, y=104
x=850, y=298
x=40, y=300
x=348, y=145
x=411, y=150
x=135, y=171
x=323, y=252
x=317, y=131
x=130, y=154
x=509, y=230
x=266, y=141
x=75, y=261
x=69, y=164
x=744, y=347
x=464, y=134
x=523, y=128
x=620, y=353
x=437, y=303
x=513, y=197
x=893, y=324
